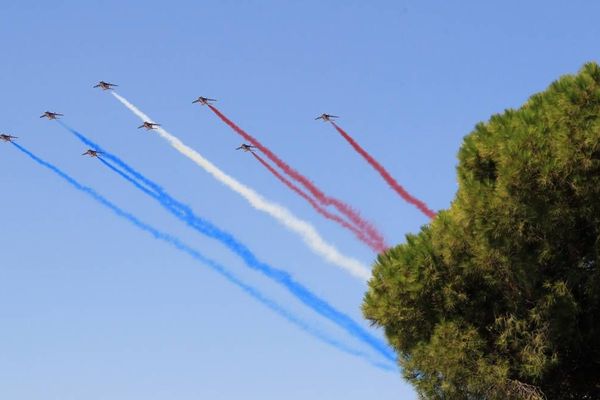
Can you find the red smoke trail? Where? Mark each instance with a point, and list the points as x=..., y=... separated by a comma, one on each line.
x=386, y=175
x=319, y=195
x=377, y=246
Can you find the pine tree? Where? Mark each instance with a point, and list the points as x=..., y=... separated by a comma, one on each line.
x=499, y=297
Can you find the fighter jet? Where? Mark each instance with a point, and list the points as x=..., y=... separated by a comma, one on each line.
x=246, y=147
x=50, y=115
x=92, y=153
x=105, y=85
x=7, y=138
x=203, y=100
x=326, y=117
x=148, y=125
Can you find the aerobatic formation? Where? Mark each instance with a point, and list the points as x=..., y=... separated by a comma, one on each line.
x=327, y=206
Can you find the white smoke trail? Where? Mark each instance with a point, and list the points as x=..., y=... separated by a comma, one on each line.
x=308, y=233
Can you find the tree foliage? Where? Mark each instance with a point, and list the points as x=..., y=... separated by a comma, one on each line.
x=499, y=297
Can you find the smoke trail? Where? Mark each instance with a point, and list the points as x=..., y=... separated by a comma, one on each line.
x=360, y=234
x=319, y=195
x=283, y=215
x=377, y=247
x=154, y=186
x=164, y=201
x=385, y=174
x=175, y=242
x=279, y=276
x=184, y=210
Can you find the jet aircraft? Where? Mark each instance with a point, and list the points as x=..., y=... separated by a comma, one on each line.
x=203, y=100
x=326, y=117
x=7, y=138
x=50, y=115
x=92, y=153
x=105, y=85
x=246, y=147
x=148, y=125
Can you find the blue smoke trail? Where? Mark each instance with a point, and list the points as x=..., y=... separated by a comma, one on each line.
x=281, y=277
x=172, y=240
x=154, y=186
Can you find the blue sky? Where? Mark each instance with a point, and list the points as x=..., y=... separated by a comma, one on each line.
x=92, y=307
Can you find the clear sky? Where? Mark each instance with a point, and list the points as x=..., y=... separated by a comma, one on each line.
x=91, y=307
